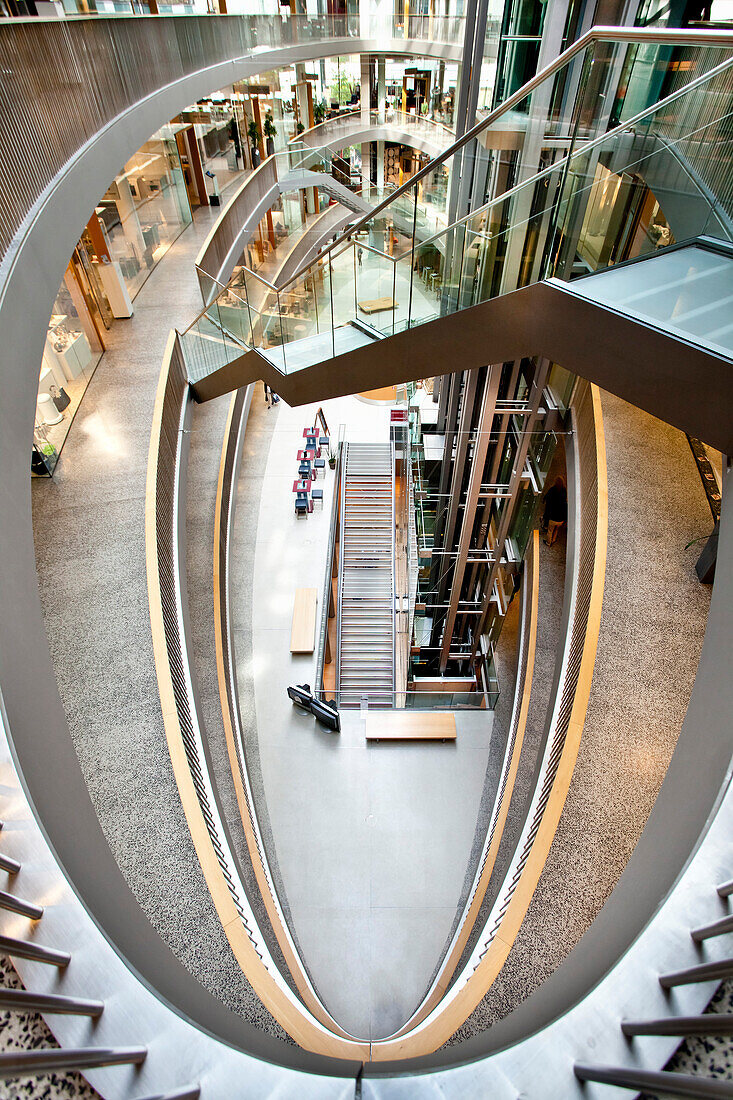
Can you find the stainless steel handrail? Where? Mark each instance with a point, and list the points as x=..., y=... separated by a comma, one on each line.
x=344, y=450
x=595, y=34
x=328, y=580
x=394, y=568
x=588, y=147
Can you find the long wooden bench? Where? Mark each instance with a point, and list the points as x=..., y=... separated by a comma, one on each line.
x=410, y=725
x=303, y=631
x=376, y=305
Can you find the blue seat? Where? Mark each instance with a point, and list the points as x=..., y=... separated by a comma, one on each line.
x=319, y=464
x=317, y=494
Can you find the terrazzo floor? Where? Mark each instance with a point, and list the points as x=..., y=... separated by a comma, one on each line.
x=90, y=554
x=653, y=621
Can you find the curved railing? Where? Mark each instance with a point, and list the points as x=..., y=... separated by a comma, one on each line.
x=124, y=59
x=507, y=776
x=229, y=697
x=663, y=848
x=583, y=108
x=416, y=131
x=183, y=726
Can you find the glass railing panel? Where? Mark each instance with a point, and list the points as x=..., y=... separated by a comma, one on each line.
x=299, y=159
x=606, y=197
x=305, y=305
x=206, y=348
x=377, y=296
x=342, y=271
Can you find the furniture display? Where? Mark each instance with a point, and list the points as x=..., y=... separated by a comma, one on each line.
x=303, y=631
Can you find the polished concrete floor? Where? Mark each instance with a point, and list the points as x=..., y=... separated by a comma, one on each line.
x=372, y=843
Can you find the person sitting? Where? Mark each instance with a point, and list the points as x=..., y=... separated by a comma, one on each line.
x=556, y=510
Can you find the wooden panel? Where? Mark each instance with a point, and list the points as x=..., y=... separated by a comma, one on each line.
x=303, y=633
x=376, y=305
x=405, y=725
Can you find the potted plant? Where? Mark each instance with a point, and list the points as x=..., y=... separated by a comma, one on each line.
x=299, y=128
x=331, y=459
x=270, y=133
x=254, y=135
x=319, y=112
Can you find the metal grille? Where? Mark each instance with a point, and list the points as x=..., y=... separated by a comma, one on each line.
x=167, y=489
x=97, y=68
x=231, y=461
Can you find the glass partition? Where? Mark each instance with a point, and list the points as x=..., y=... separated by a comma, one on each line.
x=145, y=208
x=605, y=192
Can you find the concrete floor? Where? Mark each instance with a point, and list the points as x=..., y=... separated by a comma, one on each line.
x=372, y=843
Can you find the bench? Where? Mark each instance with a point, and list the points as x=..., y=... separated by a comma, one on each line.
x=410, y=725
x=377, y=305
x=303, y=631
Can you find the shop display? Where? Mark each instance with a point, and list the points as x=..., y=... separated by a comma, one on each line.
x=48, y=414
x=71, y=350
x=60, y=398
x=44, y=455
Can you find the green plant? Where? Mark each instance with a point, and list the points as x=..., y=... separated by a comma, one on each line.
x=269, y=127
x=299, y=128
x=319, y=112
x=253, y=133
x=341, y=89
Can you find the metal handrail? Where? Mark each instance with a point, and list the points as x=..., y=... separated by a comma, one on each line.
x=394, y=571
x=587, y=147
x=271, y=286
x=625, y=35
x=344, y=450
x=328, y=582
x=383, y=120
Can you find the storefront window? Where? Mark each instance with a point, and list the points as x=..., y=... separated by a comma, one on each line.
x=74, y=346
x=145, y=209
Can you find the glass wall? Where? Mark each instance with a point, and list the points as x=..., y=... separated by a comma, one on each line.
x=145, y=208
x=73, y=347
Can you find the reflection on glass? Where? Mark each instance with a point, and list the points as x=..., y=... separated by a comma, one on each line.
x=71, y=353
x=145, y=208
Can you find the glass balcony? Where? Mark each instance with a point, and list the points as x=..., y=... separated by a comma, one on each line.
x=612, y=181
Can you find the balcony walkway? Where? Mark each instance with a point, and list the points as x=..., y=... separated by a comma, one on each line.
x=90, y=555
x=653, y=621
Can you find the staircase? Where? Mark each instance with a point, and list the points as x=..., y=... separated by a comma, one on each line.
x=366, y=581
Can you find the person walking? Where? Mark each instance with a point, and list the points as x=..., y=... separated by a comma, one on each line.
x=359, y=255
x=556, y=510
